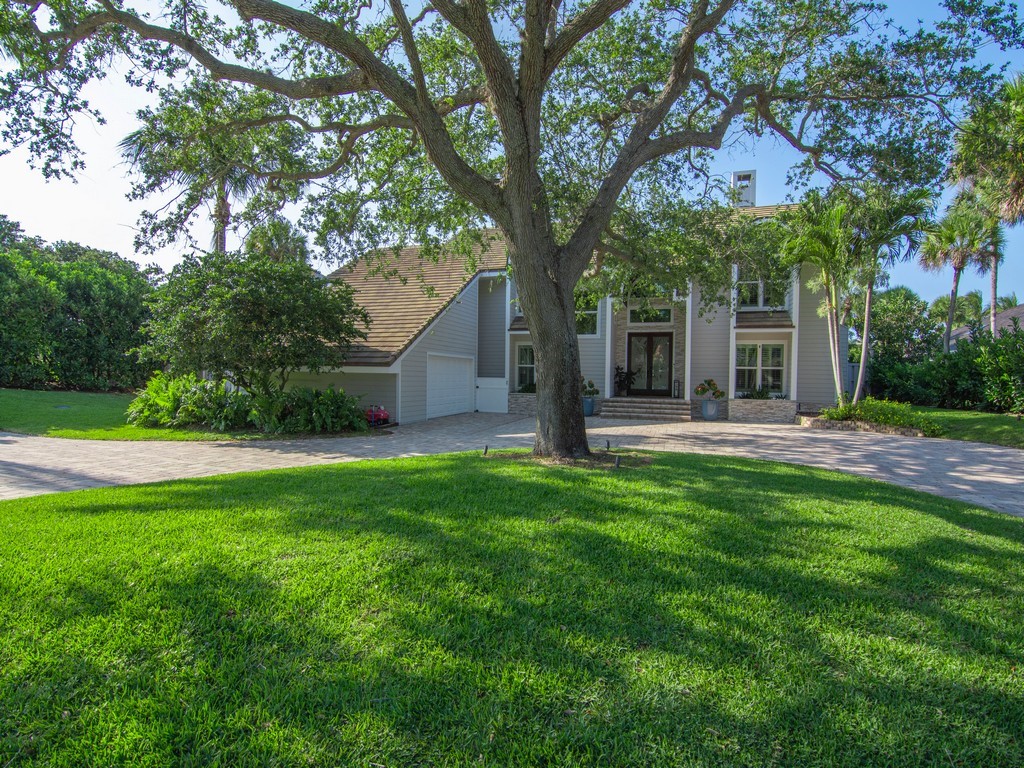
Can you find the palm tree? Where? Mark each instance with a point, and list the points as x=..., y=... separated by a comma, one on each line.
x=820, y=232
x=204, y=168
x=890, y=228
x=965, y=237
x=989, y=161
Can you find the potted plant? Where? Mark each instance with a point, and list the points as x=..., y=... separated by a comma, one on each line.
x=589, y=393
x=709, y=390
x=623, y=380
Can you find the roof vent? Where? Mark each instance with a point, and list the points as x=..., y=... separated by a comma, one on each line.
x=744, y=183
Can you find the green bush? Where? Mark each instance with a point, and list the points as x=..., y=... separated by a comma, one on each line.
x=903, y=382
x=885, y=413
x=180, y=401
x=1000, y=361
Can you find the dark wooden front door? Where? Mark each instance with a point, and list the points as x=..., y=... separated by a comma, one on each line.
x=650, y=356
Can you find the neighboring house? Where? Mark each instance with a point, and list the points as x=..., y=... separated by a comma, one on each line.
x=1004, y=319
x=462, y=346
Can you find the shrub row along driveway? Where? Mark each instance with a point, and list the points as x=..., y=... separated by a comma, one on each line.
x=987, y=475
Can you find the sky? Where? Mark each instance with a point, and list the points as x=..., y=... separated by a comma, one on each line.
x=93, y=208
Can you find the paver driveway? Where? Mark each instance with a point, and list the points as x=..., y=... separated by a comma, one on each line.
x=988, y=475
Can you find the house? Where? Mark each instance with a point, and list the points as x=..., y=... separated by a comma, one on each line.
x=462, y=345
x=1004, y=319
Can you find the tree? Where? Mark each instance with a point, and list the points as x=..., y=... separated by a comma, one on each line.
x=821, y=233
x=278, y=240
x=27, y=300
x=965, y=237
x=1003, y=303
x=251, y=321
x=571, y=126
x=989, y=161
x=890, y=227
x=969, y=310
x=901, y=328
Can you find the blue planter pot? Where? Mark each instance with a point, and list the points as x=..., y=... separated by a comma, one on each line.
x=588, y=406
x=709, y=409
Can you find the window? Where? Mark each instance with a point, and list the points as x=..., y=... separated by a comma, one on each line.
x=760, y=366
x=586, y=317
x=650, y=315
x=526, y=372
x=756, y=293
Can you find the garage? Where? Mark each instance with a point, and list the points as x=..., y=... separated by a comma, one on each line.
x=450, y=385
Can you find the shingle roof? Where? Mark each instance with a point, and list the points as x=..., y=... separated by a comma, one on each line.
x=1004, y=319
x=765, y=211
x=409, y=295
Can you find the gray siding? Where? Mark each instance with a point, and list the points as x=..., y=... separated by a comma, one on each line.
x=372, y=388
x=709, y=339
x=814, y=377
x=491, y=343
x=454, y=333
x=593, y=352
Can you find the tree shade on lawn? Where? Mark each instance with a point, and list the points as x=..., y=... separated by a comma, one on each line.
x=471, y=610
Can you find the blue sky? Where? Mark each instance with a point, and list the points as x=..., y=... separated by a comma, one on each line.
x=95, y=210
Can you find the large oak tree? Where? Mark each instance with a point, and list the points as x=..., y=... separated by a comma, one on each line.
x=575, y=127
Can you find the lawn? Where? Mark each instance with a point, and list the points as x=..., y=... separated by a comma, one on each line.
x=86, y=415
x=465, y=610
x=996, y=428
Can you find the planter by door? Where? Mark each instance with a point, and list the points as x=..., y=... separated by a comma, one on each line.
x=588, y=406
x=650, y=355
x=709, y=409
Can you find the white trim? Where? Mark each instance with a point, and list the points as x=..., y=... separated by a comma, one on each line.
x=597, y=323
x=508, y=337
x=689, y=340
x=608, y=349
x=796, y=327
x=656, y=324
x=452, y=354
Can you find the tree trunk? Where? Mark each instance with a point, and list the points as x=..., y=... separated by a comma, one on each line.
x=832, y=323
x=221, y=218
x=550, y=310
x=993, y=277
x=865, y=344
x=952, y=309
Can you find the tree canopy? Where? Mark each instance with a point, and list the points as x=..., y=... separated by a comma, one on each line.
x=252, y=321
x=574, y=127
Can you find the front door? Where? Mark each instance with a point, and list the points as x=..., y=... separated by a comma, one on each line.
x=650, y=357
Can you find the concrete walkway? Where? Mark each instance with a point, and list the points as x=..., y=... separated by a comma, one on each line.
x=986, y=475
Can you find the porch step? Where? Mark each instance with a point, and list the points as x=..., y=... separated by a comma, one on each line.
x=646, y=408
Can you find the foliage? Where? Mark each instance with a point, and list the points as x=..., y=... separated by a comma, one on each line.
x=760, y=393
x=71, y=315
x=624, y=378
x=902, y=327
x=456, y=610
x=252, y=321
x=885, y=413
x=1000, y=361
x=709, y=388
x=186, y=401
x=969, y=310
x=573, y=128
x=277, y=239
x=589, y=389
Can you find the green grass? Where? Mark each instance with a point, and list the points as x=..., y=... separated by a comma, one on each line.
x=87, y=416
x=995, y=428
x=459, y=610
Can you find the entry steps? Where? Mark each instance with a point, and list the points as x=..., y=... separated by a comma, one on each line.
x=646, y=408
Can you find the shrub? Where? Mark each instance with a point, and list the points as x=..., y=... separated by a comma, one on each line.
x=181, y=401
x=1000, y=361
x=885, y=413
x=904, y=382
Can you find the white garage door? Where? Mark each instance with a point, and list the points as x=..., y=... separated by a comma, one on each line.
x=449, y=385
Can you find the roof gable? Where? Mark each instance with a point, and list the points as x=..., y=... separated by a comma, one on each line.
x=408, y=294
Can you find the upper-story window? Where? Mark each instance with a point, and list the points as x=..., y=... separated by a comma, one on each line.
x=753, y=292
x=586, y=316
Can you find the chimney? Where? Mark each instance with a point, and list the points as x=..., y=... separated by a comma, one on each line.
x=744, y=183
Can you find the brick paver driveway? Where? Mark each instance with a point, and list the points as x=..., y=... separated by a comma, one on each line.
x=988, y=475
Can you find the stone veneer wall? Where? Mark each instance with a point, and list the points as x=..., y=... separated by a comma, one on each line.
x=522, y=404
x=762, y=411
